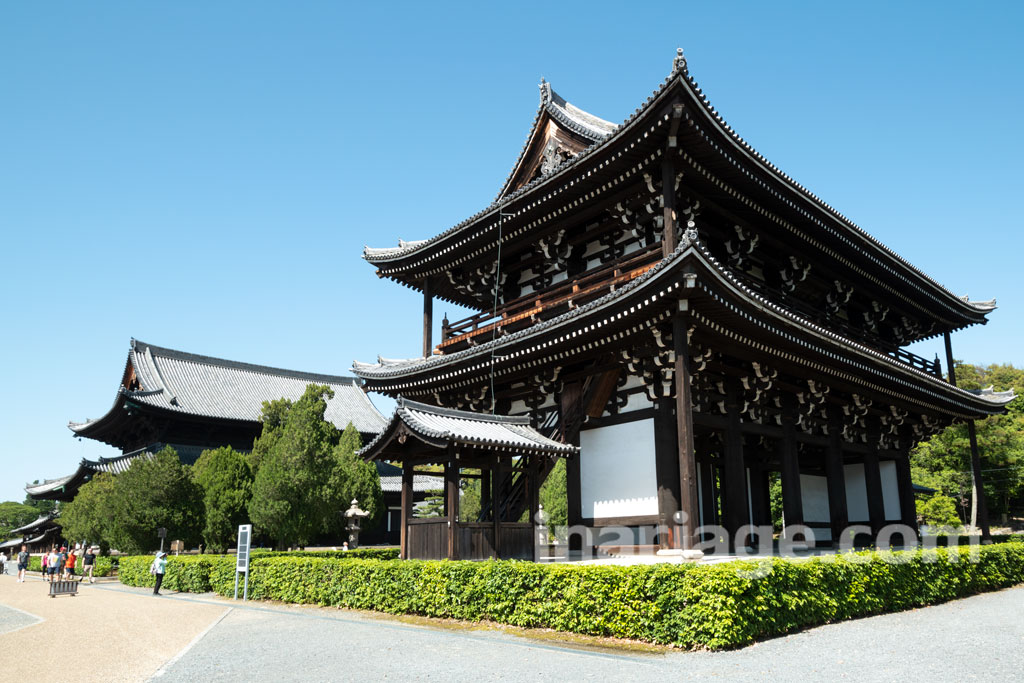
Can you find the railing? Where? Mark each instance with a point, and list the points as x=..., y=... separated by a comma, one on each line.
x=931, y=366
x=427, y=539
x=567, y=295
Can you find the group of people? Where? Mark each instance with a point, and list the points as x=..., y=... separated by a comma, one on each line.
x=60, y=564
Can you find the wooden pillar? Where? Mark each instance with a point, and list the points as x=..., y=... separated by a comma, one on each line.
x=485, y=491
x=407, y=474
x=873, y=478
x=908, y=507
x=708, y=495
x=451, y=480
x=835, y=475
x=496, y=503
x=533, y=464
x=734, y=471
x=666, y=462
x=979, y=490
x=684, y=430
x=789, y=456
x=950, y=368
x=428, y=318
x=668, y=194
x=972, y=435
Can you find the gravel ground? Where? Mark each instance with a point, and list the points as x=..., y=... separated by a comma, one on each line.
x=978, y=638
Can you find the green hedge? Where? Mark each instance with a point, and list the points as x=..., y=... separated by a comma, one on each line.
x=103, y=566
x=715, y=605
x=358, y=553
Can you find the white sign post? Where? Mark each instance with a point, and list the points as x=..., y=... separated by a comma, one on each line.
x=242, y=559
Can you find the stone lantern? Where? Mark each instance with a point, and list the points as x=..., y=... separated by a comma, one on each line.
x=353, y=523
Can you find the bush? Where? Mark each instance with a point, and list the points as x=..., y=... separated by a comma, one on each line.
x=358, y=553
x=103, y=566
x=715, y=606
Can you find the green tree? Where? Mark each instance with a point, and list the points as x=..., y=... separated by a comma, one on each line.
x=89, y=516
x=156, y=491
x=301, y=483
x=225, y=478
x=42, y=507
x=14, y=515
x=356, y=479
x=938, y=511
x=554, y=497
x=433, y=505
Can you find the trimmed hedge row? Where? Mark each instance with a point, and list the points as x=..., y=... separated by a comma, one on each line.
x=715, y=606
x=357, y=553
x=103, y=566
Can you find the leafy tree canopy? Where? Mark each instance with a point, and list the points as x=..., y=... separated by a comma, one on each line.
x=226, y=480
x=155, y=492
x=89, y=516
x=306, y=471
x=14, y=515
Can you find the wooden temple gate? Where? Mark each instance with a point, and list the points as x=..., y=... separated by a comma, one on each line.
x=510, y=457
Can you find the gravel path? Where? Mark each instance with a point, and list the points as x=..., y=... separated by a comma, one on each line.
x=978, y=638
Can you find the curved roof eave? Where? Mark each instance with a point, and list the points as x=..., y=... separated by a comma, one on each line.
x=697, y=250
x=680, y=74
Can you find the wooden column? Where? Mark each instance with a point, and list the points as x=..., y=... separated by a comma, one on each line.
x=835, y=475
x=451, y=480
x=485, y=490
x=873, y=478
x=668, y=182
x=789, y=456
x=709, y=497
x=407, y=474
x=734, y=471
x=533, y=464
x=908, y=507
x=972, y=435
x=684, y=430
x=428, y=318
x=979, y=490
x=666, y=462
x=496, y=503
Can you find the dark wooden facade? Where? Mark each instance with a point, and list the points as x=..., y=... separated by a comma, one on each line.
x=679, y=308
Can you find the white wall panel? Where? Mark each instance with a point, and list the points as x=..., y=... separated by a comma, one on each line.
x=890, y=490
x=856, y=493
x=617, y=470
x=814, y=492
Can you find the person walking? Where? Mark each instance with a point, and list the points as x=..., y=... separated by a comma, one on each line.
x=69, y=564
x=22, y=563
x=88, y=561
x=158, y=568
x=3, y=561
x=45, y=562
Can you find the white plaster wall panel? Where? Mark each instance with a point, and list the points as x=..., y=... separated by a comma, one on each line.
x=890, y=490
x=814, y=492
x=617, y=470
x=856, y=493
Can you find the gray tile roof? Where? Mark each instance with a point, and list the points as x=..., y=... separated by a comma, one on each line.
x=41, y=522
x=498, y=432
x=203, y=386
x=391, y=480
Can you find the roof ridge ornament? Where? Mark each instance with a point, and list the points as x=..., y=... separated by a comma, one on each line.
x=679, y=61
x=545, y=92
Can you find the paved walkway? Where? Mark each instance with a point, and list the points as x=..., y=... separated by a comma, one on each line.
x=979, y=638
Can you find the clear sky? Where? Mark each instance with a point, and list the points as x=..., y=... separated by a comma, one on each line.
x=204, y=176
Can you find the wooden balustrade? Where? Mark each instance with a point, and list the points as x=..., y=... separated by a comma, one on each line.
x=567, y=295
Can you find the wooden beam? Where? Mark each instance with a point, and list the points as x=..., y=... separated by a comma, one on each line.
x=734, y=484
x=451, y=479
x=979, y=489
x=835, y=475
x=428, y=318
x=789, y=458
x=496, y=502
x=950, y=367
x=873, y=478
x=908, y=507
x=533, y=466
x=684, y=431
x=601, y=390
x=666, y=464
x=407, y=496
x=668, y=196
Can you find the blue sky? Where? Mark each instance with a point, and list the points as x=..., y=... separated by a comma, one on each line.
x=204, y=176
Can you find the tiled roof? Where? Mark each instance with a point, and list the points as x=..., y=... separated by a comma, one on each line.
x=86, y=468
x=692, y=247
x=213, y=387
x=37, y=524
x=498, y=432
x=391, y=480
